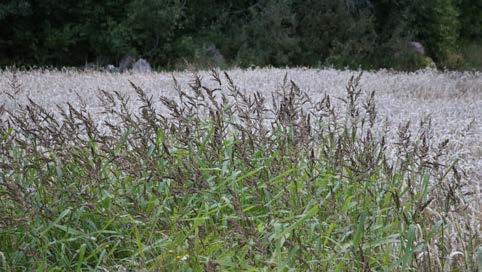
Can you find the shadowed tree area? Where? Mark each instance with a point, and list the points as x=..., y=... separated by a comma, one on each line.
x=169, y=33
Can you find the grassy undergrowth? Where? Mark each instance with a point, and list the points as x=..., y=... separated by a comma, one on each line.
x=227, y=182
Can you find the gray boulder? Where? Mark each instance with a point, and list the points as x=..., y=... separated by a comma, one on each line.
x=126, y=63
x=213, y=53
x=416, y=47
x=141, y=66
x=111, y=68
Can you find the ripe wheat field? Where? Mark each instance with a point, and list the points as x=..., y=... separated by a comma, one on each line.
x=433, y=105
x=453, y=100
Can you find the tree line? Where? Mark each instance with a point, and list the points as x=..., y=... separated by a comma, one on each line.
x=168, y=33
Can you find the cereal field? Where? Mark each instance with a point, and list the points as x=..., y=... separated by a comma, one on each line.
x=453, y=99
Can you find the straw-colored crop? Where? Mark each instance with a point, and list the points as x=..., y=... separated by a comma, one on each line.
x=452, y=99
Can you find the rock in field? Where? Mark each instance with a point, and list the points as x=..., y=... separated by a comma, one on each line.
x=416, y=47
x=213, y=53
x=111, y=68
x=126, y=63
x=141, y=66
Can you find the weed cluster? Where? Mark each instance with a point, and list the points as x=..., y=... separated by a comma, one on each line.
x=227, y=181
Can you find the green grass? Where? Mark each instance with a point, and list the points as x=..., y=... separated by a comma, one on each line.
x=219, y=186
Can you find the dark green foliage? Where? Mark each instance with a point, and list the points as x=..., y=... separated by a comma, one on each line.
x=353, y=33
x=471, y=19
x=437, y=25
x=393, y=24
x=151, y=24
x=268, y=35
x=333, y=33
x=471, y=33
x=16, y=30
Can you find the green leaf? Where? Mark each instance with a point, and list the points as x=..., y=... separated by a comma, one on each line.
x=360, y=229
x=56, y=221
x=81, y=257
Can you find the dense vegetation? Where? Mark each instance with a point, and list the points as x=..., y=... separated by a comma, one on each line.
x=371, y=34
x=227, y=182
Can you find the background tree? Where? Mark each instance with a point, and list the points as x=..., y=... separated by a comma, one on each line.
x=437, y=26
x=16, y=29
x=339, y=33
x=268, y=35
x=353, y=33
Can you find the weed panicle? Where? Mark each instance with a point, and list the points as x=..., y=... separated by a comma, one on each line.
x=221, y=179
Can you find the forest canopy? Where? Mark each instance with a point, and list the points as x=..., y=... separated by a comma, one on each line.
x=168, y=33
